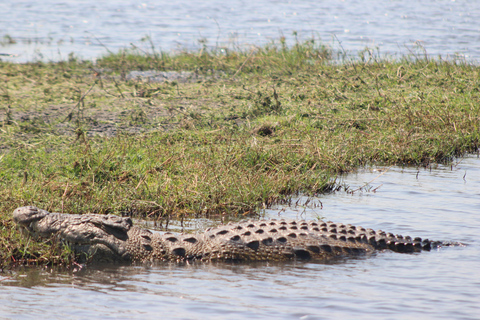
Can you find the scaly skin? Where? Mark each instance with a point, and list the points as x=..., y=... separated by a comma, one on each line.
x=112, y=238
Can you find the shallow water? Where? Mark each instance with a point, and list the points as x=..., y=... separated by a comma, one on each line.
x=441, y=204
x=51, y=29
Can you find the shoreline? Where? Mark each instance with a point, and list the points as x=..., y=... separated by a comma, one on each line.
x=246, y=131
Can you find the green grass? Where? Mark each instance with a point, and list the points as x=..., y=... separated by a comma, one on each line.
x=254, y=128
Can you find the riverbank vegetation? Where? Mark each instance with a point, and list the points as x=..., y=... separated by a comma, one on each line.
x=226, y=134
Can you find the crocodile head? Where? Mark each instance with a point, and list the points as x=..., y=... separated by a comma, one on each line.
x=95, y=237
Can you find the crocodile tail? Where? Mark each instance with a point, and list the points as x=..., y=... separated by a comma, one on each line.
x=401, y=244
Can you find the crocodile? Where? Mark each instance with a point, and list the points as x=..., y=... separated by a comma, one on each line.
x=110, y=238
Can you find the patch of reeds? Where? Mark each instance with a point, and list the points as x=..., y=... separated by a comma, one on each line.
x=274, y=57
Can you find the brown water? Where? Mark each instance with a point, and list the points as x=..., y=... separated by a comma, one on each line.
x=441, y=204
x=51, y=29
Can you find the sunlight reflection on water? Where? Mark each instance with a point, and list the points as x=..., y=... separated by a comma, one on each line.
x=50, y=30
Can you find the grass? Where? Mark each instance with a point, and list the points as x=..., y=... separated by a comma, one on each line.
x=251, y=129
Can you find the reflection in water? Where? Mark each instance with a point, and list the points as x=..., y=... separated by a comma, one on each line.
x=442, y=204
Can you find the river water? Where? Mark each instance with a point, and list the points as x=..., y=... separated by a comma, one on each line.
x=441, y=203
x=51, y=29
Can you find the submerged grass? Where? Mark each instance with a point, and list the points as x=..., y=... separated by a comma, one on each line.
x=248, y=129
